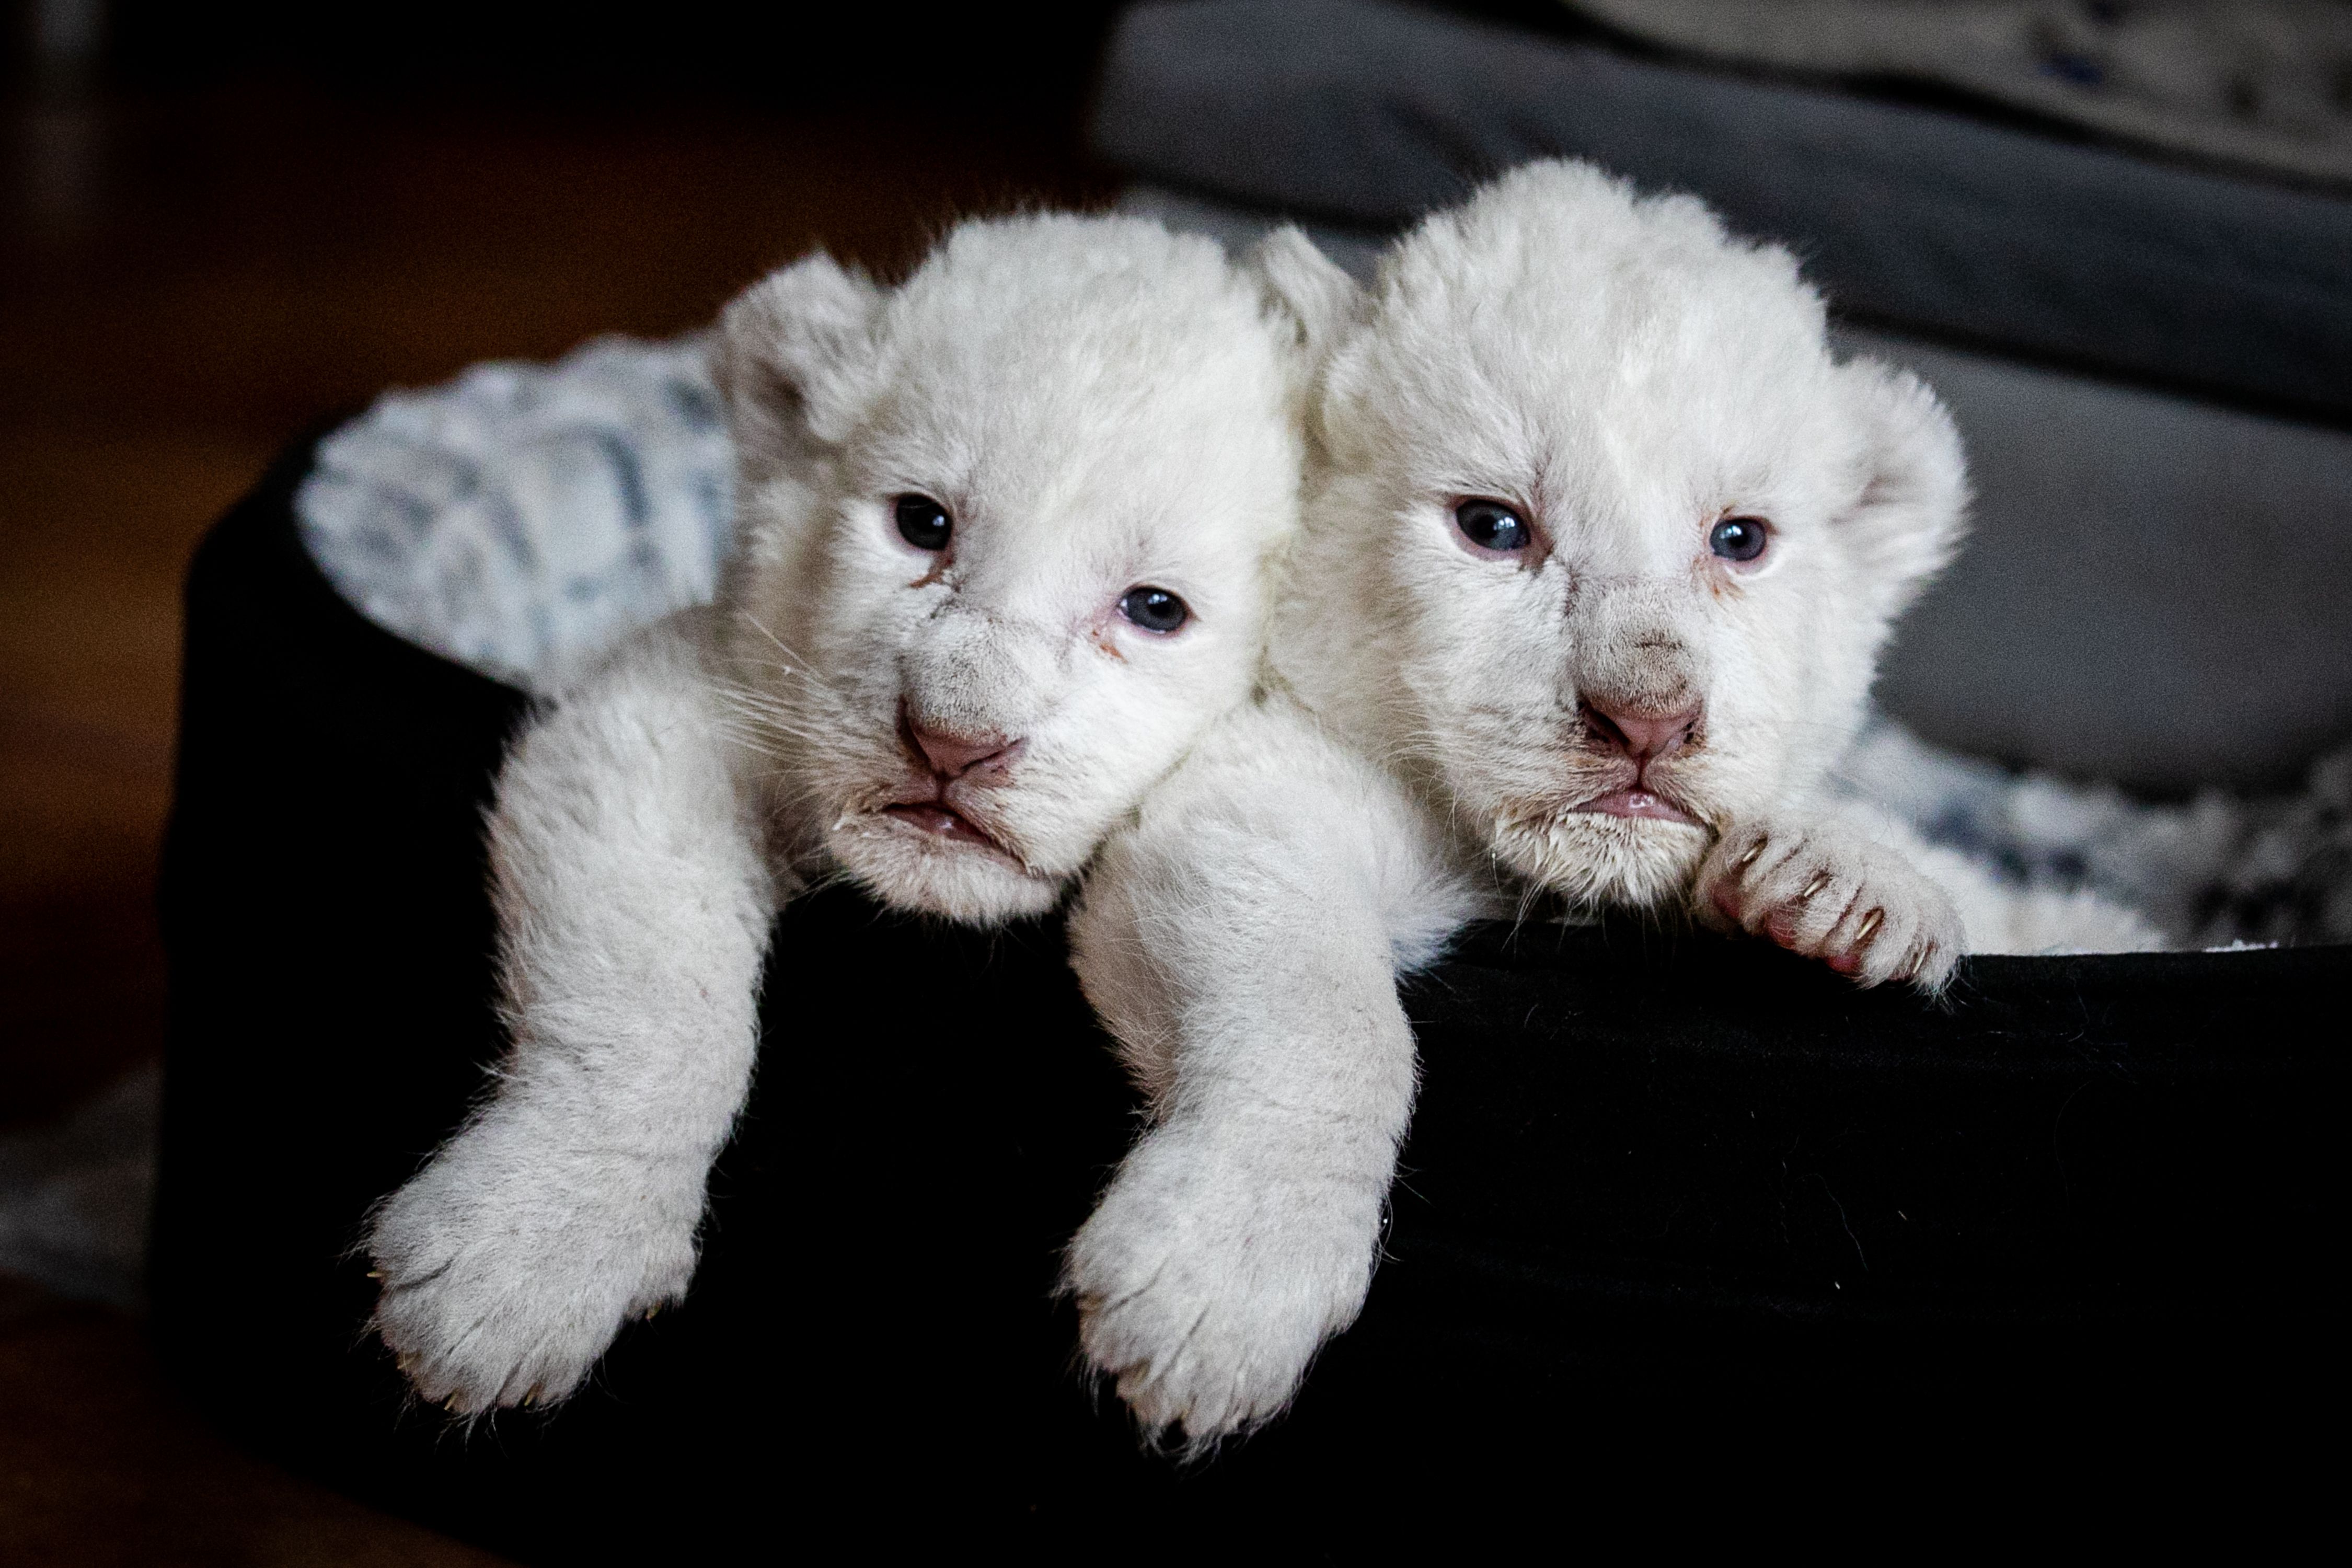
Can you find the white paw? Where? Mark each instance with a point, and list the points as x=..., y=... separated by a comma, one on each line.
x=1824, y=890
x=505, y=1279
x=1211, y=1273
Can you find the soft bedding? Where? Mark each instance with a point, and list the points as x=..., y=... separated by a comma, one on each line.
x=1676, y=1214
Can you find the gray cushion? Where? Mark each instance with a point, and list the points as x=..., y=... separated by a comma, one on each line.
x=1372, y=114
x=2155, y=592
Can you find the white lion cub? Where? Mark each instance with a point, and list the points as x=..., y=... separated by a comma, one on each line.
x=1601, y=544
x=1007, y=536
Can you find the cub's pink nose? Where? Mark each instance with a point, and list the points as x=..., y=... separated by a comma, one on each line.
x=1642, y=736
x=952, y=755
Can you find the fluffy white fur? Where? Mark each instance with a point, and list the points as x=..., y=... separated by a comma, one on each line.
x=1098, y=405
x=1623, y=375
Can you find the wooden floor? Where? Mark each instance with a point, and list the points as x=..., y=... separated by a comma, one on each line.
x=186, y=284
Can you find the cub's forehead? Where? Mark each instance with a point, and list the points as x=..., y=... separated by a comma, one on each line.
x=1045, y=360
x=1059, y=308
x=1563, y=321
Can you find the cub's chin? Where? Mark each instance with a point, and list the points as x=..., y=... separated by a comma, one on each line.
x=1598, y=860
x=911, y=864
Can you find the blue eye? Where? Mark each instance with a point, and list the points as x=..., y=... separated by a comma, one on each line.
x=1154, y=609
x=922, y=521
x=1491, y=525
x=1739, y=538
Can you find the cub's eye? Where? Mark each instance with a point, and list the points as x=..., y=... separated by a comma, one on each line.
x=1153, y=609
x=922, y=521
x=1739, y=538
x=1491, y=525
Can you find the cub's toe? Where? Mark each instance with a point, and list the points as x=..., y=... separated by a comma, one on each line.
x=1865, y=912
x=489, y=1301
x=1203, y=1295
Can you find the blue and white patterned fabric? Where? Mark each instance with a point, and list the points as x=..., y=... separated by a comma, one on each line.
x=2215, y=871
x=524, y=516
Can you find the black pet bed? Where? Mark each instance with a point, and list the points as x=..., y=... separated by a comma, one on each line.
x=1676, y=1213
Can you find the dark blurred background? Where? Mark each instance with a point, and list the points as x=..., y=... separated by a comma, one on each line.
x=225, y=223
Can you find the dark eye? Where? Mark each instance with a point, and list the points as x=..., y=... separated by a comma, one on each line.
x=922, y=522
x=1739, y=538
x=1491, y=525
x=1153, y=609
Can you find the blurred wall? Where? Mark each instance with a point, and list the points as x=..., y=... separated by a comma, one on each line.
x=906, y=55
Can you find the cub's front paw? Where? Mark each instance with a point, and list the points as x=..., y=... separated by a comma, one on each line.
x=1207, y=1280
x=502, y=1284
x=1822, y=889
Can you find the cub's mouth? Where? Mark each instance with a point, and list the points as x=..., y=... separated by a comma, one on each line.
x=1639, y=803
x=939, y=820
x=948, y=846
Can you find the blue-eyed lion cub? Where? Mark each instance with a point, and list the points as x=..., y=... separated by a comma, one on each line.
x=1602, y=544
x=1007, y=535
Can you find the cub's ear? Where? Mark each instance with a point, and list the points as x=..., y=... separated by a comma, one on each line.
x=1913, y=510
x=1307, y=287
x=787, y=346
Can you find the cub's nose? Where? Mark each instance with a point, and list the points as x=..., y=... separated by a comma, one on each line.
x=952, y=754
x=1643, y=734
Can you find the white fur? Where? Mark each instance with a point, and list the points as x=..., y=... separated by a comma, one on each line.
x=1099, y=404
x=633, y=904
x=1277, y=1062
x=1624, y=375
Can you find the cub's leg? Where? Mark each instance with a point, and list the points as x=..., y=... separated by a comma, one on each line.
x=1827, y=887
x=1238, y=942
x=634, y=899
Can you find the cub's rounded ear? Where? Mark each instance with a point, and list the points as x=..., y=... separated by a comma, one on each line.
x=785, y=346
x=1305, y=287
x=1913, y=510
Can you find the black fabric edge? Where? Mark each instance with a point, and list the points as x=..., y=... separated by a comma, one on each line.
x=1533, y=947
